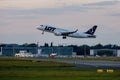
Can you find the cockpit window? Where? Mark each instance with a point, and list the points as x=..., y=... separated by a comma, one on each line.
x=41, y=25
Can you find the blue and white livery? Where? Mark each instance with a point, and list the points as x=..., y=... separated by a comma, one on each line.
x=67, y=33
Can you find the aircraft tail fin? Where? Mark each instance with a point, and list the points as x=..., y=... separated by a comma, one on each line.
x=92, y=30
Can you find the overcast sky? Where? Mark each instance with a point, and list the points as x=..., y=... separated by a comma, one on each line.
x=18, y=19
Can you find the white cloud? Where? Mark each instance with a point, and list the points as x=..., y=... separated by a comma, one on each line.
x=103, y=3
x=32, y=4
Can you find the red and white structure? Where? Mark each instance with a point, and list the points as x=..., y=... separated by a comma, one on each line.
x=24, y=54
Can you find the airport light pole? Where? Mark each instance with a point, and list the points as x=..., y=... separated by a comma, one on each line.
x=59, y=51
x=37, y=47
x=13, y=51
x=84, y=50
x=1, y=51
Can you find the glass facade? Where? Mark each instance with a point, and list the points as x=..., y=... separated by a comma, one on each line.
x=65, y=51
x=11, y=51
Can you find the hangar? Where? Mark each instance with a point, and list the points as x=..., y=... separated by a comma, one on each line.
x=105, y=52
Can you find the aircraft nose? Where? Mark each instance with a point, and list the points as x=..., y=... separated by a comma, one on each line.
x=37, y=27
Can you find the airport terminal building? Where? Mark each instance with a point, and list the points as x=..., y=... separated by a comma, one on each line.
x=105, y=52
x=59, y=51
x=42, y=50
x=11, y=51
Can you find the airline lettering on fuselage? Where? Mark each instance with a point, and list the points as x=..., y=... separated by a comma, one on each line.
x=47, y=28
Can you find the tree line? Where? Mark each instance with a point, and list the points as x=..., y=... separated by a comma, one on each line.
x=80, y=50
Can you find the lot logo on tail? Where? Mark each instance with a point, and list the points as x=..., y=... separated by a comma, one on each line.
x=92, y=30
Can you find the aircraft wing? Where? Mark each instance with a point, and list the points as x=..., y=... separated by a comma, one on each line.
x=67, y=33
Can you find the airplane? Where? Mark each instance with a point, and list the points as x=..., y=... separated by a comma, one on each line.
x=67, y=33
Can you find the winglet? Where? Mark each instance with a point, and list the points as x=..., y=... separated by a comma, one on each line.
x=76, y=30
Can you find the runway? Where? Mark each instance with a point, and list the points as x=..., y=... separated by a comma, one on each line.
x=97, y=64
x=86, y=64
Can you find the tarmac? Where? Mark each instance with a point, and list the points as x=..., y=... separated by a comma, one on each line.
x=86, y=64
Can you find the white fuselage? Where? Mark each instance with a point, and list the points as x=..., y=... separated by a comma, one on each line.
x=64, y=32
